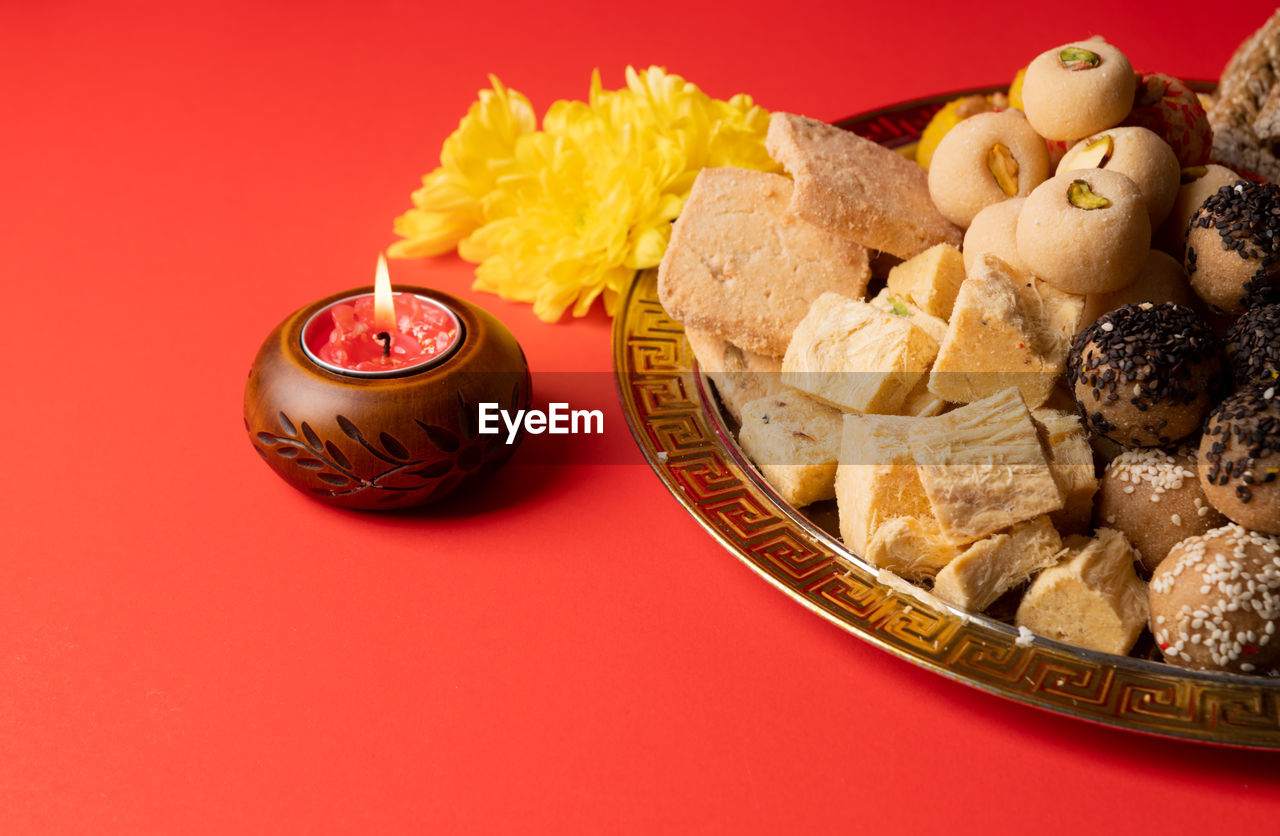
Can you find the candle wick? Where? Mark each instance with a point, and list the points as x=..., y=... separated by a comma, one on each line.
x=384, y=338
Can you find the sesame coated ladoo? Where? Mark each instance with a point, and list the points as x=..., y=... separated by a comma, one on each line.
x=1252, y=346
x=1240, y=458
x=1233, y=247
x=1142, y=374
x=1215, y=602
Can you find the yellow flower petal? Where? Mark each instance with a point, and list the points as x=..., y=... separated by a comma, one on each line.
x=567, y=214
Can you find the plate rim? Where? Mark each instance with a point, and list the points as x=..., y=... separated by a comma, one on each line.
x=670, y=412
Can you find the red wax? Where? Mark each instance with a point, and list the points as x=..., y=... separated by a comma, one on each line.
x=424, y=331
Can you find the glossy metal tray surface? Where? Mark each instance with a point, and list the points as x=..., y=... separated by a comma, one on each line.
x=678, y=426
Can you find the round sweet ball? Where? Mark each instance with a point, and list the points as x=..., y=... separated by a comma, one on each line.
x=1240, y=458
x=1233, y=247
x=1078, y=89
x=953, y=113
x=1085, y=231
x=1168, y=107
x=986, y=159
x=1155, y=499
x=1162, y=280
x=1198, y=183
x=1138, y=154
x=1142, y=374
x=1214, y=602
x=1252, y=346
x=994, y=231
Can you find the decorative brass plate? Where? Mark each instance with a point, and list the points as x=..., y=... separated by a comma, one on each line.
x=678, y=426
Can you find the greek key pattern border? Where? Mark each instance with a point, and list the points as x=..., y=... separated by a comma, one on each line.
x=674, y=428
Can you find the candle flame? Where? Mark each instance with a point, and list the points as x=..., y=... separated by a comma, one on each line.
x=384, y=307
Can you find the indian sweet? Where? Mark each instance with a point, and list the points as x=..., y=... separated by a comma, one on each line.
x=986, y=159
x=1240, y=458
x=1140, y=155
x=1077, y=89
x=1085, y=231
x=1233, y=247
x=1142, y=374
x=1215, y=602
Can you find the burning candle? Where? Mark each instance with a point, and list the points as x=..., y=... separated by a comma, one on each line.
x=381, y=334
x=370, y=399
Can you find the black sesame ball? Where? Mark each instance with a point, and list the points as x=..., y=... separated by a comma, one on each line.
x=1240, y=458
x=1143, y=374
x=1233, y=247
x=1253, y=346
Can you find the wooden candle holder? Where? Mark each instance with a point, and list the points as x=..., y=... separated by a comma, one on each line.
x=385, y=442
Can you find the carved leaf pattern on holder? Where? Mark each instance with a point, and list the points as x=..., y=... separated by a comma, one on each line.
x=463, y=455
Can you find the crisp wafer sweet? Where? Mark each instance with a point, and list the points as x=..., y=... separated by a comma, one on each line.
x=741, y=266
x=857, y=188
x=1245, y=116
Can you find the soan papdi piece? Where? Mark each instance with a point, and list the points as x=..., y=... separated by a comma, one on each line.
x=1007, y=329
x=1246, y=112
x=921, y=402
x=886, y=300
x=930, y=280
x=994, y=565
x=740, y=376
x=1092, y=598
x=795, y=441
x=741, y=266
x=912, y=547
x=877, y=478
x=856, y=357
x=983, y=468
x=1066, y=445
x=857, y=188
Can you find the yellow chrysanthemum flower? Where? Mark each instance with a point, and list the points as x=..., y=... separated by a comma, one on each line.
x=562, y=216
x=447, y=207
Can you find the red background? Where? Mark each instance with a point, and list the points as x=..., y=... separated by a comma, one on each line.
x=188, y=645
